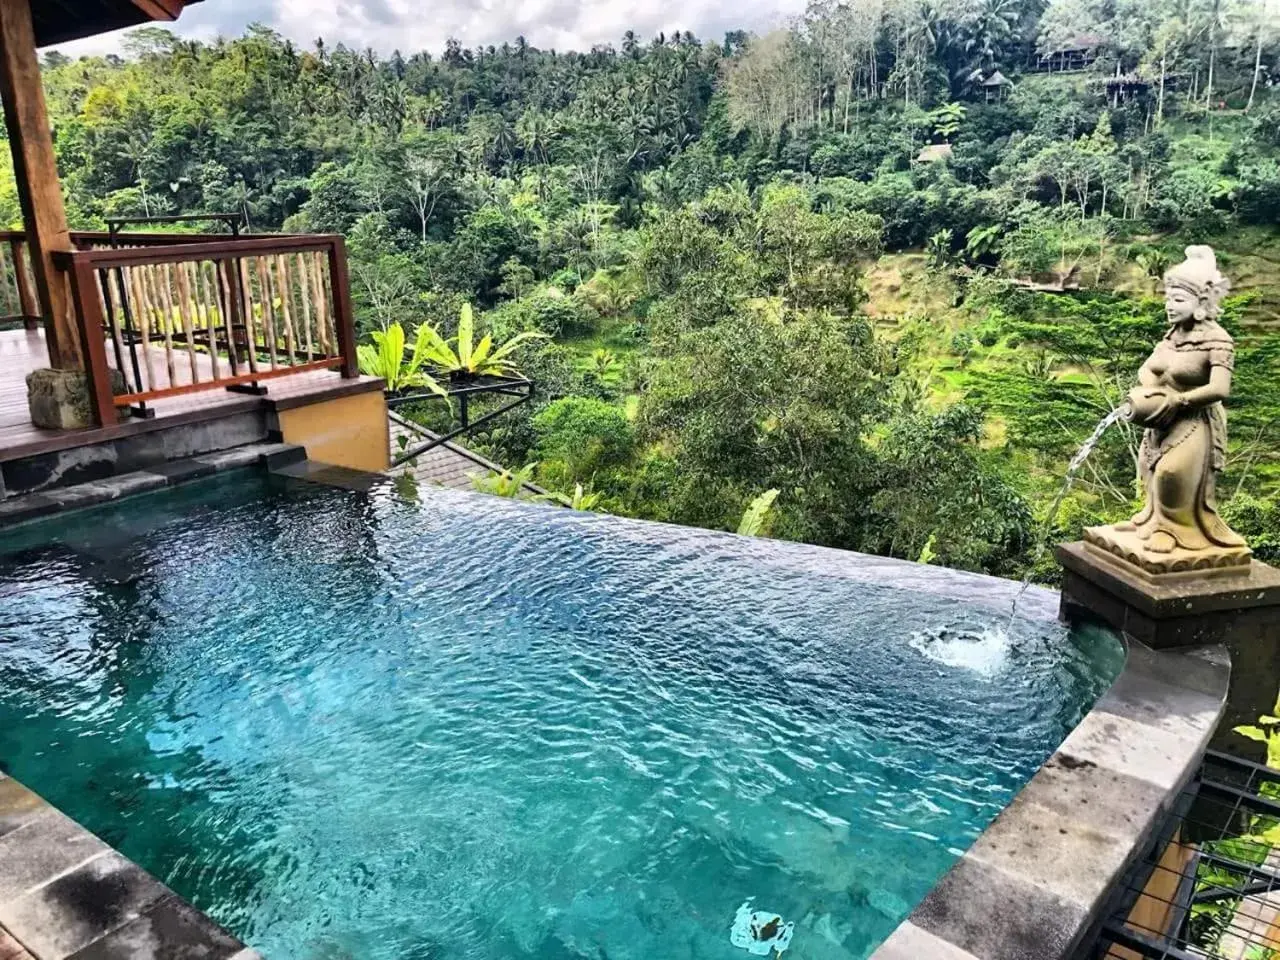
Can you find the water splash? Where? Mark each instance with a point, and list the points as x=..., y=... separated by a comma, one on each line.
x=1119, y=413
x=986, y=651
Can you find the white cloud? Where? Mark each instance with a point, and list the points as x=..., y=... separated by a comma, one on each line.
x=413, y=25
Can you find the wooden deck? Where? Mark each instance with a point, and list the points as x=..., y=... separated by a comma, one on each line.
x=22, y=351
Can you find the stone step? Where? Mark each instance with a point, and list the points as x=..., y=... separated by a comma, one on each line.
x=98, y=459
x=32, y=506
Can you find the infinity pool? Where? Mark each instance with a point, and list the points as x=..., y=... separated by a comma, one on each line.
x=353, y=727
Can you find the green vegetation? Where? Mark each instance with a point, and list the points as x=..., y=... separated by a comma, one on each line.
x=739, y=273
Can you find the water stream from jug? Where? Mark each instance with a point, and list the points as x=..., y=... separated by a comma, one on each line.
x=1119, y=413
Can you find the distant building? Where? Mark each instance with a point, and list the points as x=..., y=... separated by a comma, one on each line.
x=1127, y=86
x=996, y=87
x=1078, y=53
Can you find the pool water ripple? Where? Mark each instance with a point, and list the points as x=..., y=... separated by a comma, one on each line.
x=350, y=727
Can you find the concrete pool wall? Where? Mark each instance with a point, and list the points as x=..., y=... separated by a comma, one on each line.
x=1031, y=887
x=1035, y=884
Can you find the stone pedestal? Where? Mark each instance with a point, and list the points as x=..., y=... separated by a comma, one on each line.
x=1123, y=542
x=1239, y=609
x=59, y=399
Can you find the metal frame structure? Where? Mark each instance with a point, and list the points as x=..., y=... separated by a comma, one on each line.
x=1208, y=887
x=519, y=388
x=233, y=221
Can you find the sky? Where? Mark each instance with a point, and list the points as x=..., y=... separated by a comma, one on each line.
x=413, y=25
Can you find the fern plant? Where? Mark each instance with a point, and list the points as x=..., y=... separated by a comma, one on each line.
x=462, y=358
x=386, y=358
x=510, y=484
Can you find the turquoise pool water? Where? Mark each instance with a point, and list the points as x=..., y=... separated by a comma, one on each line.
x=351, y=727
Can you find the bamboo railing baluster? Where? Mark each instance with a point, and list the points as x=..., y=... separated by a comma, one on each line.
x=222, y=285
x=285, y=287
x=322, y=305
x=157, y=303
x=184, y=313
x=115, y=312
x=268, y=310
x=330, y=303
x=199, y=299
x=251, y=333
x=142, y=314
x=304, y=292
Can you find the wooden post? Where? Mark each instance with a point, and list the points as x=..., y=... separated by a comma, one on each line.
x=84, y=283
x=36, y=171
x=343, y=317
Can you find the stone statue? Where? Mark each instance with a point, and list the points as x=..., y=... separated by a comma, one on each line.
x=1179, y=400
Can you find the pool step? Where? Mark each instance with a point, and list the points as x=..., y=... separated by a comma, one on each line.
x=273, y=456
x=34, y=468
x=323, y=473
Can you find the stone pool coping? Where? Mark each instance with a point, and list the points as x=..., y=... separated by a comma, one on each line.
x=1035, y=884
x=66, y=895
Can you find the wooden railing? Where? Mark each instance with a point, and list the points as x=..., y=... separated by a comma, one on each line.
x=171, y=318
x=18, y=301
x=17, y=285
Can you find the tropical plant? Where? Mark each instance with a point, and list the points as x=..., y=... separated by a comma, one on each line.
x=1267, y=731
x=385, y=358
x=946, y=119
x=1154, y=263
x=603, y=366
x=470, y=359
x=939, y=247
x=983, y=241
x=758, y=517
x=580, y=500
x=508, y=483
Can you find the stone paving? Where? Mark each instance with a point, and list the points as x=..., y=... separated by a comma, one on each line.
x=66, y=895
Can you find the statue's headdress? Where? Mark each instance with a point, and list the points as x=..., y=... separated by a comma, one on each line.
x=1199, y=275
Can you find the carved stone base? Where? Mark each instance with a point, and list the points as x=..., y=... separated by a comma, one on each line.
x=1128, y=548
x=59, y=399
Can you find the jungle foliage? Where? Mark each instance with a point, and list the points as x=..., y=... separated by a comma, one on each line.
x=718, y=243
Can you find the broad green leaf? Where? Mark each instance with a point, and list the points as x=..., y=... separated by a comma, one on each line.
x=757, y=514
x=481, y=352
x=466, y=330
x=1253, y=733
x=436, y=350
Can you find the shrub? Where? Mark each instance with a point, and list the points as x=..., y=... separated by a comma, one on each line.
x=1258, y=521
x=585, y=435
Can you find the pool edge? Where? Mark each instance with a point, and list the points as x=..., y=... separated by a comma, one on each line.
x=1035, y=884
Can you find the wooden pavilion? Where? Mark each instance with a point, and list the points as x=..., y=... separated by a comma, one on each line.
x=118, y=331
x=996, y=87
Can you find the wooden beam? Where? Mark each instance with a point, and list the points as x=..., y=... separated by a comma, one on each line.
x=36, y=170
x=160, y=9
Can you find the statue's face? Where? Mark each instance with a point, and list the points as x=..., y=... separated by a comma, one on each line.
x=1180, y=306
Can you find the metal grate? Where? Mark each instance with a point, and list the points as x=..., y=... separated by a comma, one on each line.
x=1209, y=886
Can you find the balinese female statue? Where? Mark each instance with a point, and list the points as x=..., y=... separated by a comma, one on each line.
x=1179, y=400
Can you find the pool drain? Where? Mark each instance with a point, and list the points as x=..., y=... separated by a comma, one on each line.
x=759, y=932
